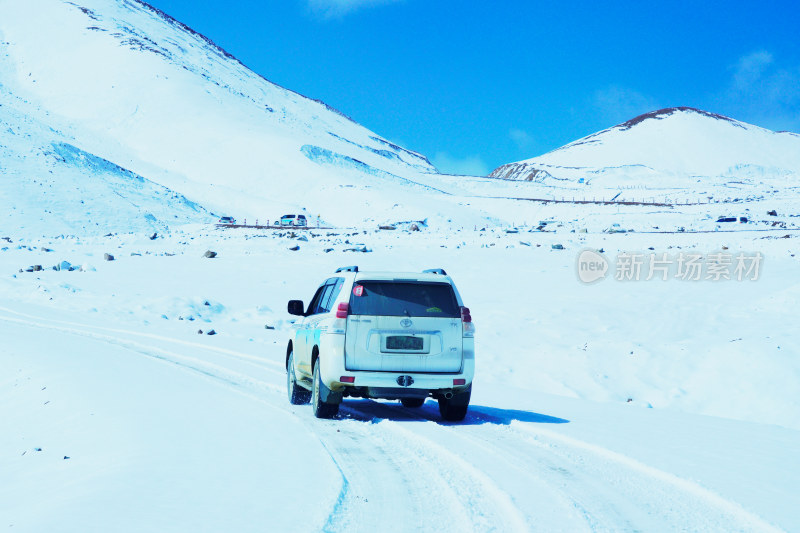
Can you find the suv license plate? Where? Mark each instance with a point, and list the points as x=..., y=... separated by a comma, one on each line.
x=403, y=342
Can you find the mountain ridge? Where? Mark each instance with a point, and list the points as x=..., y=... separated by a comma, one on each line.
x=134, y=86
x=172, y=20
x=669, y=148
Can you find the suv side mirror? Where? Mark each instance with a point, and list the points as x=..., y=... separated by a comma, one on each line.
x=295, y=307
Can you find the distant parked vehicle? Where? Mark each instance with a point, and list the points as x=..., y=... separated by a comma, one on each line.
x=227, y=220
x=294, y=220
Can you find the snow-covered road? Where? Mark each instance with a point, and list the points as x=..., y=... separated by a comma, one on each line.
x=170, y=435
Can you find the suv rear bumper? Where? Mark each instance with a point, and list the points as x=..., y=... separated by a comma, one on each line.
x=382, y=384
x=391, y=380
x=386, y=384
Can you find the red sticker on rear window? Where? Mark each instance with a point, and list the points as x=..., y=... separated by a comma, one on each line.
x=358, y=290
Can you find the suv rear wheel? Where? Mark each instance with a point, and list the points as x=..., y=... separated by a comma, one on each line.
x=297, y=394
x=455, y=409
x=321, y=409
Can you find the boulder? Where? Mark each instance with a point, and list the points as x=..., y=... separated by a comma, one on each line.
x=210, y=254
x=108, y=257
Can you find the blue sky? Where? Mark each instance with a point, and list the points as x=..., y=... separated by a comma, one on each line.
x=476, y=84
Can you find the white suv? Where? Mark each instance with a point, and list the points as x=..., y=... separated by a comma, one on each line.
x=392, y=335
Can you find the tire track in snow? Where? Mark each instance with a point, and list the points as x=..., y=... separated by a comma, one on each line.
x=687, y=504
x=388, y=488
x=490, y=508
x=461, y=476
x=583, y=486
x=382, y=486
x=490, y=487
x=236, y=380
x=259, y=361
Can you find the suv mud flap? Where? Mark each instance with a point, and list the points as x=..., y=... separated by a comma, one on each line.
x=329, y=396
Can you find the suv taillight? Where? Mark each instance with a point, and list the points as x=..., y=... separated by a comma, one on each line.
x=343, y=310
x=468, y=327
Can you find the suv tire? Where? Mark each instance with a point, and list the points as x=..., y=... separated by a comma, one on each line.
x=412, y=402
x=321, y=409
x=455, y=409
x=297, y=394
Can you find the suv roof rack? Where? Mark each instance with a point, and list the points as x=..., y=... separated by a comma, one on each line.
x=435, y=271
x=347, y=269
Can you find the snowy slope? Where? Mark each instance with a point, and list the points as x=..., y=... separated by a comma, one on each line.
x=134, y=87
x=51, y=186
x=137, y=91
x=677, y=148
x=166, y=429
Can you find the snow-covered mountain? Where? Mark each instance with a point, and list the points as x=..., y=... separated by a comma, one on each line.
x=116, y=117
x=677, y=148
x=146, y=96
x=50, y=185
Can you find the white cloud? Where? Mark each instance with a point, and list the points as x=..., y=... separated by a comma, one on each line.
x=751, y=67
x=616, y=104
x=521, y=138
x=471, y=165
x=339, y=8
x=764, y=92
x=761, y=91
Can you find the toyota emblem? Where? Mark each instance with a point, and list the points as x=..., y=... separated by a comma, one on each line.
x=406, y=323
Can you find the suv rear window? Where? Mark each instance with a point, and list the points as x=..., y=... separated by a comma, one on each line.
x=404, y=298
